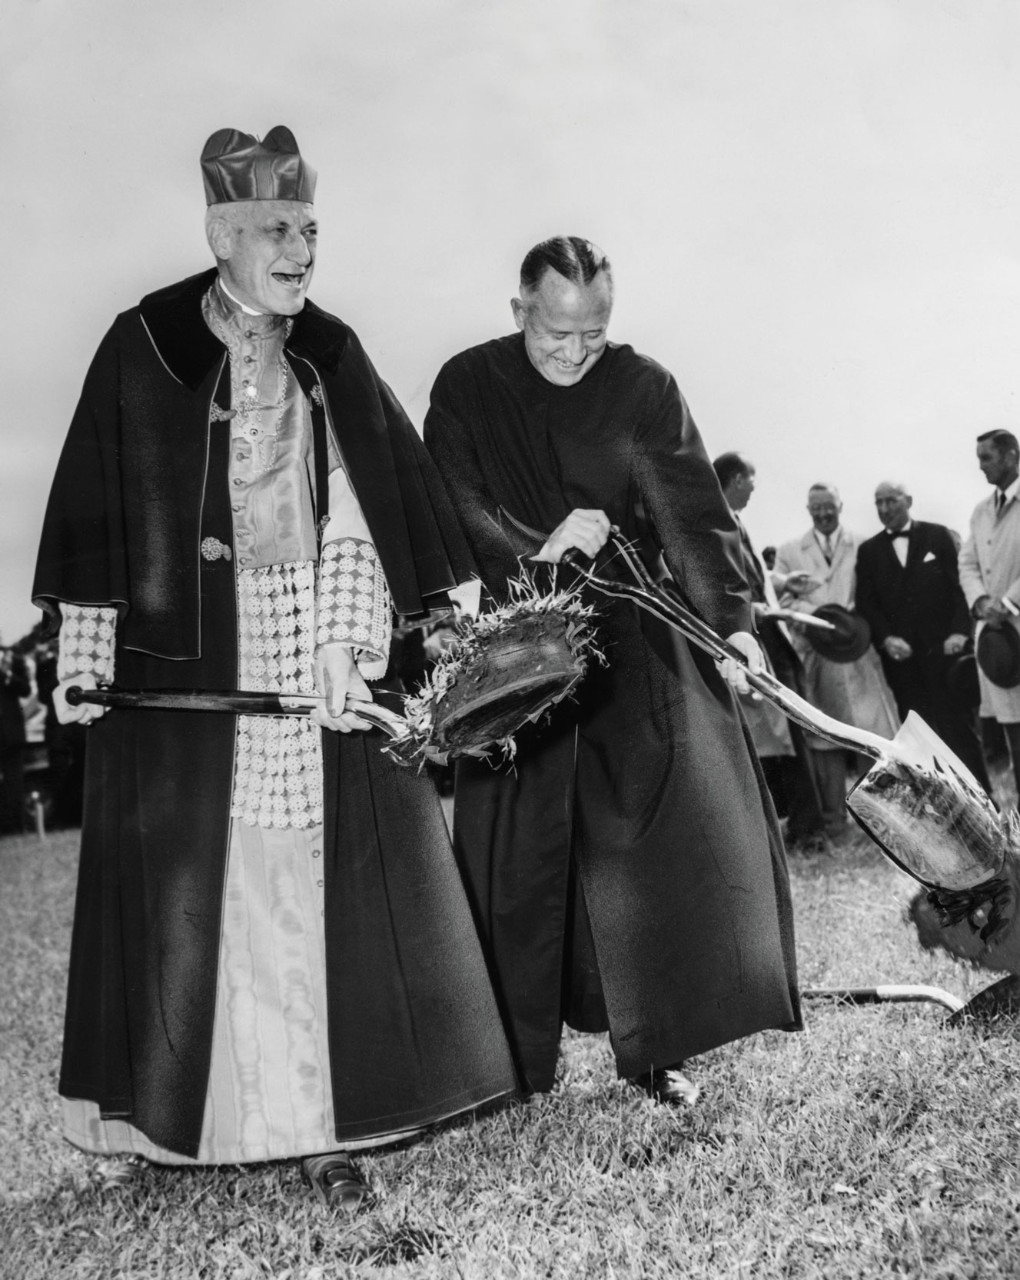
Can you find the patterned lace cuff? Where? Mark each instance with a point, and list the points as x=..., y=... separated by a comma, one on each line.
x=86, y=641
x=354, y=604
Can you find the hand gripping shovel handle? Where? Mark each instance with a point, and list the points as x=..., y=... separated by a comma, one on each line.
x=654, y=600
x=239, y=701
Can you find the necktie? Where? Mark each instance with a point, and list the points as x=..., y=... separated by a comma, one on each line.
x=903, y=533
x=1000, y=502
x=827, y=549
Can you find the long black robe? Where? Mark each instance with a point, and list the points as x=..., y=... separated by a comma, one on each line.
x=629, y=875
x=414, y=1032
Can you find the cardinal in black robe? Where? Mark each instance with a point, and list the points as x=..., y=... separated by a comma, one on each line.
x=272, y=955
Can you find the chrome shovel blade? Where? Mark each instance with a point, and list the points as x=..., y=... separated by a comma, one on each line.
x=925, y=809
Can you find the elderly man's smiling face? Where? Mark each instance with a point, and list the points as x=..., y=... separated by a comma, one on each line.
x=266, y=252
x=564, y=325
x=824, y=507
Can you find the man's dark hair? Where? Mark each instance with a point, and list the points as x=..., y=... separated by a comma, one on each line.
x=577, y=260
x=1002, y=439
x=728, y=466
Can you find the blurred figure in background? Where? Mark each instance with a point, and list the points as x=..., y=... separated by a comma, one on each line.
x=65, y=745
x=852, y=691
x=780, y=743
x=14, y=685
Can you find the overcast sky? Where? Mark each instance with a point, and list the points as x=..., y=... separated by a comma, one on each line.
x=812, y=207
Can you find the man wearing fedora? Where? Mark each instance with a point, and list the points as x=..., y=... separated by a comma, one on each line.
x=628, y=875
x=842, y=673
x=908, y=591
x=273, y=955
x=990, y=578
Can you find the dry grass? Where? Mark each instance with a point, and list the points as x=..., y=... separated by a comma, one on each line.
x=877, y=1143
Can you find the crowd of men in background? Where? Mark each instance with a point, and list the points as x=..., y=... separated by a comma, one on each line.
x=914, y=620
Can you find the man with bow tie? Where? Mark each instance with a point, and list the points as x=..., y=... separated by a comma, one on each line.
x=908, y=590
x=990, y=569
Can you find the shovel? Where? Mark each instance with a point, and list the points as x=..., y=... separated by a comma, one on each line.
x=918, y=802
x=241, y=702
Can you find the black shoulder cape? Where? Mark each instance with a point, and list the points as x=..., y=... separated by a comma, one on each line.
x=117, y=533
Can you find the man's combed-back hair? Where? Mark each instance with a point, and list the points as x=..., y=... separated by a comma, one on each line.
x=577, y=260
x=728, y=466
x=1002, y=439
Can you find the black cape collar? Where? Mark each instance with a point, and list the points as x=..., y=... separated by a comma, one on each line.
x=173, y=318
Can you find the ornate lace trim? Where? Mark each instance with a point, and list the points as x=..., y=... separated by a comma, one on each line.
x=87, y=635
x=354, y=603
x=278, y=764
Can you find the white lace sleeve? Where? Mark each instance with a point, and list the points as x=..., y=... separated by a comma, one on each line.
x=354, y=605
x=86, y=641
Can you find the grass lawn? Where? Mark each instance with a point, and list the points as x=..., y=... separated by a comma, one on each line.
x=877, y=1143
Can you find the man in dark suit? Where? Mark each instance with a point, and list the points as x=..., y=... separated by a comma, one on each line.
x=908, y=590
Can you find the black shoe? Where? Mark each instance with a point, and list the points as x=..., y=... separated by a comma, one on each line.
x=336, y=1180
x=668, y=1085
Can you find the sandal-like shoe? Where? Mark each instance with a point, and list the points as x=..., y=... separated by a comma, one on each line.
x=336, y=1180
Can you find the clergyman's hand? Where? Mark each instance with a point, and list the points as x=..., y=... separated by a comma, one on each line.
x=954, y=644
x=733, y=671
x=337, y=676
x=585, y=530
x=85, y=713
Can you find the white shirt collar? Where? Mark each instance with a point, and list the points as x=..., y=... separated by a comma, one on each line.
x=833, y=537
x=906, y=528
x=248, y=311
x=1012, y=491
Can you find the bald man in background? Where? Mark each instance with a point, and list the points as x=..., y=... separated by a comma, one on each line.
x=908, y=590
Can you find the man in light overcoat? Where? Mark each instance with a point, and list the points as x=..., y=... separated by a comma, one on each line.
x=990, y=570
x=818, y=569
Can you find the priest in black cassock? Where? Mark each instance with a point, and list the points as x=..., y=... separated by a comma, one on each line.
x=628, y=876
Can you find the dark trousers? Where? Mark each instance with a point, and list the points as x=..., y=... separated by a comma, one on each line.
x=792, y=780
x=921, y=684
x=794, y=790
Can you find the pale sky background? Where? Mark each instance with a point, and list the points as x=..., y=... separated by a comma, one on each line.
x=812, y=207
